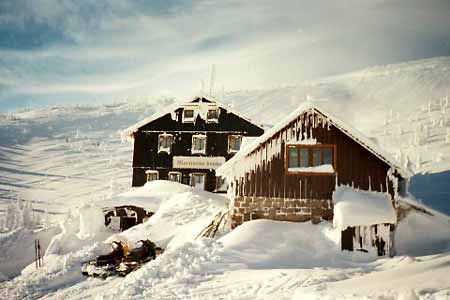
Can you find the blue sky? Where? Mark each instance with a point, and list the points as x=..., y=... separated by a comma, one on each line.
x=59, y=52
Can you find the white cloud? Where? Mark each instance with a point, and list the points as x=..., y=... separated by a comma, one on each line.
x=122, y=48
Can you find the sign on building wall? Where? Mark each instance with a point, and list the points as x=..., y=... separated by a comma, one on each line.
x=192, y=162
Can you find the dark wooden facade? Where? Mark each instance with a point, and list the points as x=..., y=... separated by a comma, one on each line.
x=267, y=189
x=147, y=157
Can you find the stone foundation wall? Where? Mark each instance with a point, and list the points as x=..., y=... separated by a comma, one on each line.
x=248, y=208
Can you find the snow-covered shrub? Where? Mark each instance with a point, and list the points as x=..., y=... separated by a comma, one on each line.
x=20, y=215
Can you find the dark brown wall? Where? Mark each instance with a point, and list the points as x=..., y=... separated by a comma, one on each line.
x=354, y=166
x=146, y=156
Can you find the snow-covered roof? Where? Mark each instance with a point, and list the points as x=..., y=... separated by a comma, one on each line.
x=172, y=108
x=353, y=207
x=228, y=169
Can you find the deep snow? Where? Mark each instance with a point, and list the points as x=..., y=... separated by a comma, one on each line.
x=70, y=161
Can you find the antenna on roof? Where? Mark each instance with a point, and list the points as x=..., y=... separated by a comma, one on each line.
x=202, y=87
x=211, y=81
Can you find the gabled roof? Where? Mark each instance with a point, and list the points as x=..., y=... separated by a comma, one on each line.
x=228, y=168
x=172, y=108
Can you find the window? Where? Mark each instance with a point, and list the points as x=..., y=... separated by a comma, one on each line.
x=198, y=144
x=234, y=143
x=175, y=176
x=213, y=115
x=188, y=115
x=152, y=175
x=198, y=180
x=165, y=143
x=310, y=158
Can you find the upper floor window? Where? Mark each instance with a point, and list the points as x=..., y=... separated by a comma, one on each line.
x=234, y=143
x=213, y=115
x=152, y=175
x=188, y=115
x=311, y=158
x=198, y=144
x=165, y=142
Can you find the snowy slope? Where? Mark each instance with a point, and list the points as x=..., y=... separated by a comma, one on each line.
x=62, y=158
x=364, y=98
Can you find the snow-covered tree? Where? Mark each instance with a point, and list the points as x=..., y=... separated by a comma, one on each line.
x=20, y=215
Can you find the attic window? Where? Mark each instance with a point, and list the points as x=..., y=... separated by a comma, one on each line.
x=188, y=115
x=198, y=144
x=165, y=142
x=316, y=159
x=152, y=175
x=234, y=143
x=213, y=115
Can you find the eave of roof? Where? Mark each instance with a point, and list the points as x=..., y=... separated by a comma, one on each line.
x=128, y=132
x=350, y=131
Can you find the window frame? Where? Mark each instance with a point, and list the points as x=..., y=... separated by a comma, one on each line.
x=213, y=120
x=159, y=144
x=202, y=136
x=310, y=158
x=148, y=172
x=190, y=119
x=191, y=175
x=234, y=136
x=175, y=172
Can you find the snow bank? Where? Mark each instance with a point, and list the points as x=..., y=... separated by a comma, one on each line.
x=17, y=249
x=422, y=234
x=353, y=207
x=267, y=244
x=179, y=219
x=58, y=271
x=150, y=196
x=402, y=278
x=180, y=267
x=92, y=221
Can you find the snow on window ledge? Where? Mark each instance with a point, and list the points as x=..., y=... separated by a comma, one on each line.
x=164, y=149
x=309, y=141
x=317, y=169
x=195, y=151
x=212, y=120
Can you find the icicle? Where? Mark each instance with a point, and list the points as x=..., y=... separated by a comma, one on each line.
x=337, y=181
x=300, y=186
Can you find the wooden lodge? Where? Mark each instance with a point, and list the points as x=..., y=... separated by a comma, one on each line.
x=292, y=172
x=188, y=142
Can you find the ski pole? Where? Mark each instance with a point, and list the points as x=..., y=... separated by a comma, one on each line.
x=35, y=254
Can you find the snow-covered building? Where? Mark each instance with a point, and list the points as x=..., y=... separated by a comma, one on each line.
x=187, y=142
x=313, y=166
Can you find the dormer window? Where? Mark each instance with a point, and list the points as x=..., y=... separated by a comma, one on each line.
x=188, y=115
x=234, y=143
x=165, y=143
x=198, y=144
x=213, y=115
